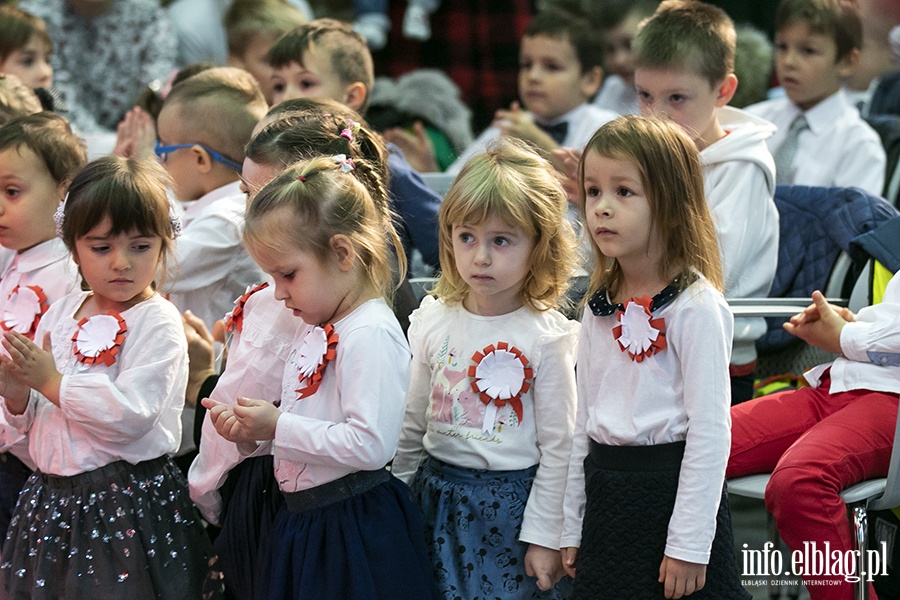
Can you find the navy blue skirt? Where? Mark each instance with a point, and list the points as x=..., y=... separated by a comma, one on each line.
x=252, y=500
x=472, y=522
x=120, y=531
x=368, y=543
x=13, y=475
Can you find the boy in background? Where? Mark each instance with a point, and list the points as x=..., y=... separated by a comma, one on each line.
x=204, y=124
x=684, y=71
x=252, y=27
x=327, y=59
x=560, y=70
x=821, y=139
x=619, y=22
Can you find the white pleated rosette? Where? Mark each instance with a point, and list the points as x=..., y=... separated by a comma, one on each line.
x=638, y=333
x=24, y=309
x=316, y=351
x=99, y=338
x=500, y=374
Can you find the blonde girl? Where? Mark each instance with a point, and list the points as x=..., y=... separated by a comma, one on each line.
x=492, y=397
x=349, y=528
x=107, y=513
x=652, y=432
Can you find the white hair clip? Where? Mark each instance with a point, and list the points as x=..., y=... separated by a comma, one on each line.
x=345, y=163
x=174, y=219
x=60, y=216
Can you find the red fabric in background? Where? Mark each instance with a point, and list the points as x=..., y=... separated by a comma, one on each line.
x=476, y=42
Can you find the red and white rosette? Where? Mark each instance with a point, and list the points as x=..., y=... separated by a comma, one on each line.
x=235, y=318
x=638, y=333
x=319, y=348
x=99, y=339
x=500, y=374
x=24, y=309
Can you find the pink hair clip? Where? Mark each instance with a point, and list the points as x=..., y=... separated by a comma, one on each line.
x=345, y=163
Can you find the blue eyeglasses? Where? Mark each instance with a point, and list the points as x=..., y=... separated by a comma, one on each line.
x=163, y=151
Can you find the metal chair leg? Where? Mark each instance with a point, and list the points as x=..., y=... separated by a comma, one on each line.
x=860, y=526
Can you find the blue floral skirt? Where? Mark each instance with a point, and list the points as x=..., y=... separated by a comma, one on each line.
x=472, y=522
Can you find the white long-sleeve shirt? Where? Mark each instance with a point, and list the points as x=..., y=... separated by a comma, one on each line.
x=212, y=267
x=680, y=394
x=130, y=410
x=446, y=419
x=839, y=148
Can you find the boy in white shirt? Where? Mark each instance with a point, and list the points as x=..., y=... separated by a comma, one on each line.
x=684, y=71
x=203, y=126
x=559, y=73
x=821, y=139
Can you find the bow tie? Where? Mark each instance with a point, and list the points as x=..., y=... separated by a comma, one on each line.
x=557, y=132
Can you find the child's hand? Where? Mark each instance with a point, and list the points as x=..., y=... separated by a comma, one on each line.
x=681, y=578
x=566, y=162
x=416, y=147
x=135, y=135
x=15, y=393
x=518, y=123
x=545, y=564
x=32, y=366
x=820, y=324
x=569, y=556
x=201, y=355
x=247, y=421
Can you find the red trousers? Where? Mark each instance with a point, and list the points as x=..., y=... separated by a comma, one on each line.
x=816, y=444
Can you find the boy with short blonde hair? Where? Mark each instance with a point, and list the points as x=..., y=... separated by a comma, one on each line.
x=684, y=71
x=821, y=139
x=252, y=27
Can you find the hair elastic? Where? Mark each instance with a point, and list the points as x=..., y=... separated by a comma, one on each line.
x=59, y=216
x=351, y=128
x=301, y=178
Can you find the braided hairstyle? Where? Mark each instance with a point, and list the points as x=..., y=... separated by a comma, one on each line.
x=314, y=200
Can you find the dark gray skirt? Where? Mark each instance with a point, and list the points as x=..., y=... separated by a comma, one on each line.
x=122, y=531
x=630, y=497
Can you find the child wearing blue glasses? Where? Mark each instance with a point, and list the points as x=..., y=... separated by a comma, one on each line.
x=204, y=124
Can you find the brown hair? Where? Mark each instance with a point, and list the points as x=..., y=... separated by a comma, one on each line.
x=687, y=34
x=248, y=19
x=556, y=24
x=315, y=200
x=131, y=192
x=17, y=27
x=347, y=50
x=512, y=182
x=49, y=136
x=672, y=177
x=837, y=19
x=218, y=107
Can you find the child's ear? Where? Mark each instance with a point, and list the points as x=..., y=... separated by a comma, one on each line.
x=847, y=65
x=355, y=95
x=590, y=82
x=726, y=90
x=344, y=251
x=202, y=159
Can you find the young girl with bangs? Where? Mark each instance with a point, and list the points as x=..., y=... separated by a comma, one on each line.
x=492, y=393
x=107, y=513
x=349, y=529
x=646, y=513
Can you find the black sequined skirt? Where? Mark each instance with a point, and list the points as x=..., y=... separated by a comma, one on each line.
x=122, y=531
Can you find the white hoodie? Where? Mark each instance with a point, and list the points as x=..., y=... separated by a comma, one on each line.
x=739, y=179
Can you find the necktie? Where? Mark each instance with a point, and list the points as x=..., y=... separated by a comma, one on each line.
x=557, y=132
x=784, y=155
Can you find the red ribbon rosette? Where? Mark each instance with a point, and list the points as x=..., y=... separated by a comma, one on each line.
x=98, y=339
x=24, y=309
x=235, y=318
x=319, y=348
x=638, y=333
x=500, y=374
